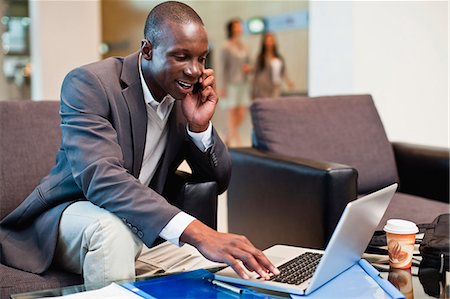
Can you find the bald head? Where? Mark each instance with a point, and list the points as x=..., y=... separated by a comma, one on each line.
x=170, y=11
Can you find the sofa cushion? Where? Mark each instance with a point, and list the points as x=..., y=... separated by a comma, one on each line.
x=413, y=208
x=342, y=129
x=30, y=136
x=13, y=281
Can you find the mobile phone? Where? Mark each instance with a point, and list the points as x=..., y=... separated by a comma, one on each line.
x=197, y=87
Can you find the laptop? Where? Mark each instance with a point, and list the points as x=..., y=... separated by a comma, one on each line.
x=347, y=244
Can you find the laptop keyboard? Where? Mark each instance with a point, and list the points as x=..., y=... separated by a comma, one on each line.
x=299, y=269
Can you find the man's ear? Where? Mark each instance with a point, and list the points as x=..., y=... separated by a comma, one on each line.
x=146, y=49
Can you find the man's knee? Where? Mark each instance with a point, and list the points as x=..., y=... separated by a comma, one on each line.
x=114, y=236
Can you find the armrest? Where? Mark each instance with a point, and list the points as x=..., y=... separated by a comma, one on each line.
x=277, y=199
x=423, y=170
x=196, y=198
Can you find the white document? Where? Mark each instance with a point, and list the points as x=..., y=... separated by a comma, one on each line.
x=111, y=291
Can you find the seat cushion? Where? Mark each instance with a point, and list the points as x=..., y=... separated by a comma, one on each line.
x=342, y=129
x=413, y=208
x=13, y=281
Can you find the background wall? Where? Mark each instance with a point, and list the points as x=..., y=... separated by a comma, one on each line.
x=14, y=50
x=4, y=93
x=396, y=51
x=64, y=35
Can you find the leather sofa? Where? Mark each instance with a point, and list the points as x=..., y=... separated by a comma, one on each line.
x=29, y=139
x=311, y=156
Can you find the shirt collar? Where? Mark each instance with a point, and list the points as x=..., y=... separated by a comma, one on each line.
x=165, y=106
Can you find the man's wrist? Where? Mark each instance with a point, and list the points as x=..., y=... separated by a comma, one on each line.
x=198, y=128
x=194, y=233
x=202, y=140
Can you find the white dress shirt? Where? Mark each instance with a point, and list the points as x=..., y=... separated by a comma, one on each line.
x=157, y=117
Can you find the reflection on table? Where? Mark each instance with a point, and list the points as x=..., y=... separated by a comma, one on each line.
x=420, y=281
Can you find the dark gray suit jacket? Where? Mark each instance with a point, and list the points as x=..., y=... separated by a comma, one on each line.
x=104, y=123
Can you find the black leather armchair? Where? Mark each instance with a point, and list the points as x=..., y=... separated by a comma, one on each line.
x=197, y=198
x=293, y=197
x=276, y=199
x=423, y=170
x=30, y=137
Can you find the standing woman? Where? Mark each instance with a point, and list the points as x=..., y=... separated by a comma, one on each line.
x=270, y=71
x=235, y=85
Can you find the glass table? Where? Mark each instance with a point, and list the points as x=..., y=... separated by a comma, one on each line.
x=70, y=289
x=415, y=282
x=419, y=281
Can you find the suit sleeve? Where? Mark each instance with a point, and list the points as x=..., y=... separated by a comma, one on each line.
x=214, y=164
x=96, y=160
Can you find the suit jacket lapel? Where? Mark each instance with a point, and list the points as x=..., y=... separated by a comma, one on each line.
x=134, y=98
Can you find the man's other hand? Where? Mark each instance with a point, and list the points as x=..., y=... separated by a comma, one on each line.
x=229, y=249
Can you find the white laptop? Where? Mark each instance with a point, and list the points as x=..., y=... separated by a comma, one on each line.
x=347, y=244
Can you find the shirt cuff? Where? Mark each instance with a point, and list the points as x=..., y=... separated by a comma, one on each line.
x=176, y=226
x=202, y=140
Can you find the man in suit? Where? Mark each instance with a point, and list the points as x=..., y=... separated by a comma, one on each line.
x=126, y=124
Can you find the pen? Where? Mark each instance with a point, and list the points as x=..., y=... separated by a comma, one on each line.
x=226, y=286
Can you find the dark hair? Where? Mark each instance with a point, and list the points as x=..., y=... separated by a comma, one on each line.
x=170, y=11
x=230, y=26
x=261, y=61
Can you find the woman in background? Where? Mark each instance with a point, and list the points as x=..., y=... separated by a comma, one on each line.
x=270, y=70
x=235, y=86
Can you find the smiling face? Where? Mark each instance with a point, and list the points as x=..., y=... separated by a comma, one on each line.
x=177, y=61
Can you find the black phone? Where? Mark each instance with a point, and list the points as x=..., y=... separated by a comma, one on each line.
x=197, y=87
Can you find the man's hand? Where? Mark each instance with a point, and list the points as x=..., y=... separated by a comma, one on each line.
x=198, y=108
x=229, y=249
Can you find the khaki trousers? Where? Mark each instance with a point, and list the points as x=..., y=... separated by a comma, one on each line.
x=97, y=244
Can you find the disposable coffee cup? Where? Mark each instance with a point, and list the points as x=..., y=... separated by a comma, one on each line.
x=401, y=237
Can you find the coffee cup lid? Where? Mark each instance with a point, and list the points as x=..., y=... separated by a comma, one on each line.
x=399, y=226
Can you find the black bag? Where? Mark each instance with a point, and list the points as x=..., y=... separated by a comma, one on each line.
x=435, y=244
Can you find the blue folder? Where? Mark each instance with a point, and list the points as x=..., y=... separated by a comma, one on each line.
x=362, y=280
x=193, y=284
